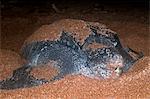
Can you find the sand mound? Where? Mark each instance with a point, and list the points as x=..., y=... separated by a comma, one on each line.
x=135, y=84
x=78, y=28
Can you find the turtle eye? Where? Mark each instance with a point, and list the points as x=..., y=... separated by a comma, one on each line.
x=116, y=68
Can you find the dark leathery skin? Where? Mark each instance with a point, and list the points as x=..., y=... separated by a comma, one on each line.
x=72, y=58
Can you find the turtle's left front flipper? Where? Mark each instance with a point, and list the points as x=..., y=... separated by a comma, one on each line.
x=130, y=57
x=135, y=54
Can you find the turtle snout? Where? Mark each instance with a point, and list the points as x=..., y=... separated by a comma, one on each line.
x=118, y=71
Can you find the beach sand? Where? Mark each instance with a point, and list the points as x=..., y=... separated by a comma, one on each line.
x=132, y=28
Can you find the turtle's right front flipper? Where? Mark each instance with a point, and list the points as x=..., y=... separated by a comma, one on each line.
x=21, y=78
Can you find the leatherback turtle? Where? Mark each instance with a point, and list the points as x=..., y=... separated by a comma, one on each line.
x=110, y=59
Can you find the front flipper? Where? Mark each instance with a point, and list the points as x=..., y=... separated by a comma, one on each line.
x=21, y=78
x=130, y=57
x=135, y=54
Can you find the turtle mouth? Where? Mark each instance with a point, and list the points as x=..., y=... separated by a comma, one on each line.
x=118, y=71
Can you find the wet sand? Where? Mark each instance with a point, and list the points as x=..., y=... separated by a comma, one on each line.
x=132, y=28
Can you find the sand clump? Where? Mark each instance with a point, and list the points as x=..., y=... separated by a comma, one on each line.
x=53, y=31
x=46, y=71
x=78, y=28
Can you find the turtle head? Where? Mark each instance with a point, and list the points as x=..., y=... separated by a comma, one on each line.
x=116, y=64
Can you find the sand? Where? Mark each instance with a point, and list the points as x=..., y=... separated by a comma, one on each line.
x=132, y=31
x=135, y=84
